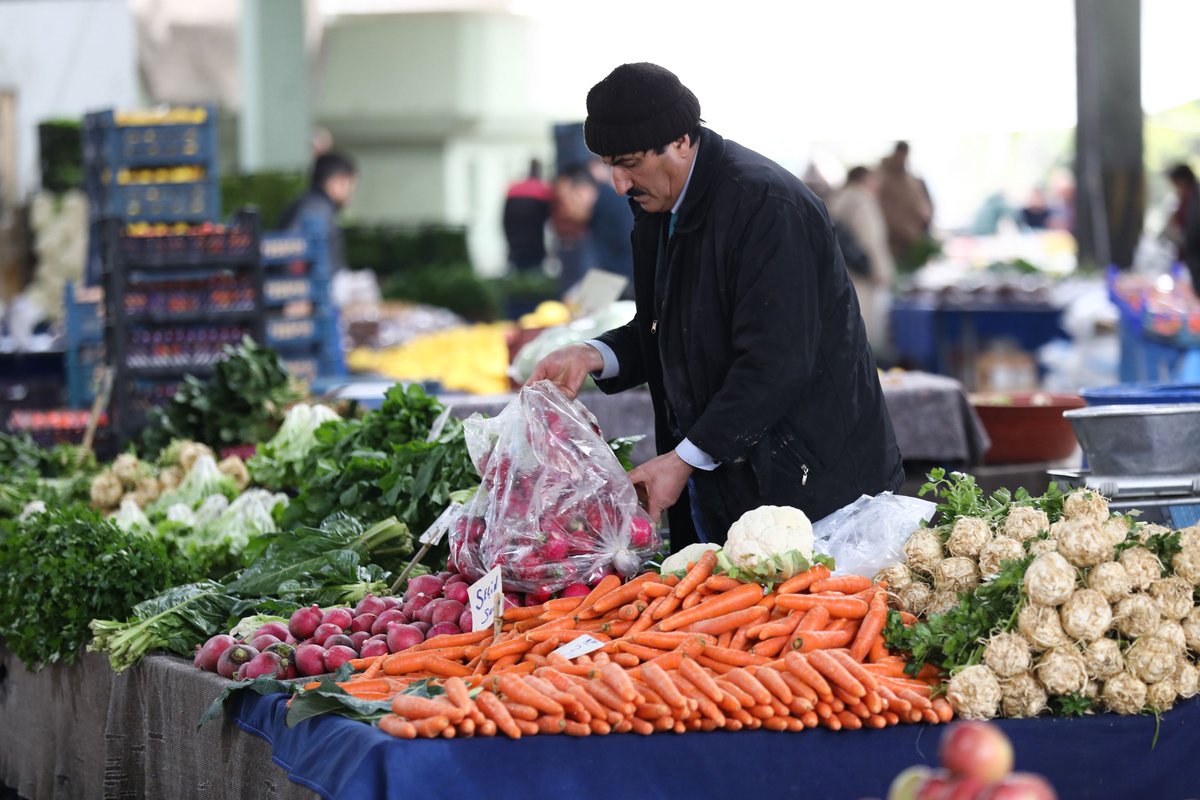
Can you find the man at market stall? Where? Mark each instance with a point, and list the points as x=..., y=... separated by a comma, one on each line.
x=747, y=328
x=331, y=185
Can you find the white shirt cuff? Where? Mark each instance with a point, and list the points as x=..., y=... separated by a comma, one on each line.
x=611, y=368
x=695, y=457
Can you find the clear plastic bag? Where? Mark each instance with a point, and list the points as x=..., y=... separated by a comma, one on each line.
x=869, y=534
x=555, y=506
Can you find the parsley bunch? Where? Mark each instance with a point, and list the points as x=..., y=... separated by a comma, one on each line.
x=64, y=567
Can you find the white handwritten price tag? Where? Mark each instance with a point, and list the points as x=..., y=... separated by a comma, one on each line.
x=579, y=646
x=486, y=596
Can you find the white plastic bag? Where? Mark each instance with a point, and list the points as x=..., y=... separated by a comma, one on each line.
x=869, y=534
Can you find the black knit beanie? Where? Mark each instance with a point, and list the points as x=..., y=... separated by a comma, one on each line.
x=638, y=107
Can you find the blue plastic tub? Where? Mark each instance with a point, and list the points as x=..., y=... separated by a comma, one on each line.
x=1142, y=394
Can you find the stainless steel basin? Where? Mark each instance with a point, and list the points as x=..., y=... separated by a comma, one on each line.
x=1161, y=439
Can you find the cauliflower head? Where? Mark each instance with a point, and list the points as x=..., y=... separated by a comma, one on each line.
x=676, y=563
x=770, y=542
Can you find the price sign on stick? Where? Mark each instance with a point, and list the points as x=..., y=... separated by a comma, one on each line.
x=579, y=646
x=486, y=596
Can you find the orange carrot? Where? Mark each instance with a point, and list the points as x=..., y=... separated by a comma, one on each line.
x=692, y=600
x=518, y=613
x=698, y=574
x=631, y=611
x=743, y=597
x=719, y=667
x=846, y=584
x=667, y=606
x=413, y=707
x=823, y=662
x=496, y=712
x=515, y=688
x=864, y=676
x=942, y=707
x=846, y=607
x=397, y=726
x=774, y=683
x=801, y=582
x=770, y=648
x=729, y=622
x=721, y=583
x=451, y=640
x=810, y=641
x=871, y=628
x=603, y=587
x=814, y=620
x=878, y=649
x=621, y=595
x=800, y=666
x=750, y=685
x=653, y=590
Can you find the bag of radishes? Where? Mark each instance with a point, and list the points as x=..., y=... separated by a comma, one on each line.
x=555, y=506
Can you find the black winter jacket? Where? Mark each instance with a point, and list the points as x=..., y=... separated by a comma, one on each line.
x=758, y=353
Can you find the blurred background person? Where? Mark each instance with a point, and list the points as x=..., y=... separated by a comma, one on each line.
x=593, y=223
x=331, y=185
x=862, y=235
x=526, y=212
x=1183, y=228
x=907, y=207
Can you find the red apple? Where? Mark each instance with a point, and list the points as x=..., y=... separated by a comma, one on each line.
x=976, y=750
x=935, y=785
x=963, y=788
x=1020, y=786
x=904, y=785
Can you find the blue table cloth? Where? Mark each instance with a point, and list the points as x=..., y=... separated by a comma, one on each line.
x=1103, y=757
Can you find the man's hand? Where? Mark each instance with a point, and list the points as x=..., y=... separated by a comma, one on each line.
x=568, y=367
x=664, y=478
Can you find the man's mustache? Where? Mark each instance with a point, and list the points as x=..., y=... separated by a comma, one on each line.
x=635, y=192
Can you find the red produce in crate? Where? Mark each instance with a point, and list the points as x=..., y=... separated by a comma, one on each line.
x=554, y=506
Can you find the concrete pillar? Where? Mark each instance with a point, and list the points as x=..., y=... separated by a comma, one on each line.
x=1110, y=178
x=276, y=121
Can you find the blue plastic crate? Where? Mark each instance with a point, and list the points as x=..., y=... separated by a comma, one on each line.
x=108, y=144
x=158, y=202
x=288, y=289
x=1142, y=394
x=284, y=247
x=84, y=319
x=83, y=367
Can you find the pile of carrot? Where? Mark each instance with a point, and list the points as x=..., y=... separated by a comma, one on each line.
x=701, y=652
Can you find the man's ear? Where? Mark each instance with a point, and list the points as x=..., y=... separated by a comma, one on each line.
x=683, y=143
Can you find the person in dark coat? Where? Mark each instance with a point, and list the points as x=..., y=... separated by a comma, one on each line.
x=331, y=185
x=1184, y=226
x=747, y=328
x=526, y=212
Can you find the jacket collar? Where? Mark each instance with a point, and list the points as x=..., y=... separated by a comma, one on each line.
x=695, y=202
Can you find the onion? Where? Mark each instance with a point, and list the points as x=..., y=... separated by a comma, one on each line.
x=968, y=536
x=1007, y=654
x=1085, y=504
x=996, y=552
x=923, y=550
x=1041, y=627
x=1111, y=580
x=1151, y=659
x=1025, y=522
x=1083, y=544
x=955, y=574
x=1103, y=659
x=974, y=692
x=1049, y=580
x=1137, y=615
x=1173, y=595
x=1142, y=566
x=1022, y=696
x=1124, y=694
x=1086, y=615
x=1062, y=670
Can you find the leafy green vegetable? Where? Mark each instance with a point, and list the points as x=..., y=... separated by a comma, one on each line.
x=175, y=620
x=389, y=463
x=202, y=481
x=956, y=638
x=1075, y=704
x=65, y=567
x=961, y=496
x=623, y=446
x=279, y=463
x=242, y=402
x=783, y=564
x=263, y=685
x=1163, y=545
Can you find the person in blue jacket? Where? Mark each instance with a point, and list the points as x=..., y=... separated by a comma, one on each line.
x=747, y=329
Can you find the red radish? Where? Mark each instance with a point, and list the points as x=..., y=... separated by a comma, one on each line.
x=304, y=621
x=457, y=592
x=428, y=585
x=374, y=647
x=444, y=575
x=357, y=638
x=234, y=657
x=456, y=578
x=445, y=610
x=363, y=622
x=402, y=637
x=208, y=653
x=338, y=639
x=342, y=617
x=289, y=673
x=324, y=631
x=976, y=749
x=576, y=590
x=285, y=651
x=513, y=600
x=292, y=640
x=1020, y=786
x=391, y=601
x=423, y=627
x=904, y=786
x=277, y=629
x=263, y=664
x=536, y=598
x=370, y=604
x=310, y=659
x=263, y=641
x=413, y=605
x=442, y=628
x=387, y=618
x=338, y=655
x=464, y=621
x=426, y=612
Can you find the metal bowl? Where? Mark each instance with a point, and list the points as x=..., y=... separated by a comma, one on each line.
x=1157, y=439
